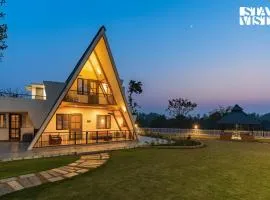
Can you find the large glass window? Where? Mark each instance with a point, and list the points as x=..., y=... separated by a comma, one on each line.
x=75, y=122
x=82, y=86
x=103, y=121
x=3, y=122
x=62, y=122
x=86, y=86
x=93, y=87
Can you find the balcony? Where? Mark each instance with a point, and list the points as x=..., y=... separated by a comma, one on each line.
x=89, y=98
x=21, y=95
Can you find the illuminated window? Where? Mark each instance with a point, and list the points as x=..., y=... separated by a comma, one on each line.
x=85, y=86
x=3, y=123
x=106, y=88
x=82, y=86
x=39, y=93
x=103, y=121
x=93, y=87
x=62, y=122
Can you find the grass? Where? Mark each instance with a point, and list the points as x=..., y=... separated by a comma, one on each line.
x=223, y=170
x=21, y=167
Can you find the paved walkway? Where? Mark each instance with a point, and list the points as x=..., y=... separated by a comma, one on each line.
x=84, y=164
x=19, y=152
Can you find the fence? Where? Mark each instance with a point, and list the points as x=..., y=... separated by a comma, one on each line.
x=83, y=137
x=200, y=132
x=21, y=96
x=89, y=98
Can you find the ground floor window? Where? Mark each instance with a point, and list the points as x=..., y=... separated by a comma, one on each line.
x=103, y=121
x=3, y=122
x=62, y=122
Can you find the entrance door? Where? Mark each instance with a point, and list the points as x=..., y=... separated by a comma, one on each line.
x=93, y=92
x=75, y=126
x=14, y=127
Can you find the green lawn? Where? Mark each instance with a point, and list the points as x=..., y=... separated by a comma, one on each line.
x=222, y=170
x=20, y=167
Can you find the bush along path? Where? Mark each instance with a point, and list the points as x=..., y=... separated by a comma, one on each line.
x=83, y=165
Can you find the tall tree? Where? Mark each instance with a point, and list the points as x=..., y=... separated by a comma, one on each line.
x=219, y=112
x=3, y=30
x=134, y=87
x=180, y=107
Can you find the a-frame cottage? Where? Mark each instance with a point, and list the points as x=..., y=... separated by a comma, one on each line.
x=89, y=108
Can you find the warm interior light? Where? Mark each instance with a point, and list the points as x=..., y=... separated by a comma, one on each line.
x=105, y=87
x=102, y=121
x=99, y=71
x=124, y=109
x=196, y=126
x=136, y=125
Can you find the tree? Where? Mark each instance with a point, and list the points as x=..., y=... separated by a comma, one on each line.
x=3, y=31
x=134, y=87
x=180, y=107
x=218, y=113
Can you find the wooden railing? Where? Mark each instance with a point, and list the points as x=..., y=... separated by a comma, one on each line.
x=83, y=137
x=89, y=98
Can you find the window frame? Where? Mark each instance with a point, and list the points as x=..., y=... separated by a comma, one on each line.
x=88, y=86
x=63, y=127
x=107, y=122
x=4, y=120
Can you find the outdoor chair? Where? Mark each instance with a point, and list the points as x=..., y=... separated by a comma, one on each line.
x=55, y=140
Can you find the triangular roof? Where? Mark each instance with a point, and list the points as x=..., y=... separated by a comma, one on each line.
x=238, y=116
x=74, y=74
x=237, y=108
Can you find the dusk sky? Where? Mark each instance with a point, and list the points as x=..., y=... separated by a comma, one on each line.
x=187, y=48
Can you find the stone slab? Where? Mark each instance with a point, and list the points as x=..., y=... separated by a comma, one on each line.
x=81, y=171
x=34, y=180
x=54, y=179
x=73, y=164
x=26, y=175
x=25, y=182
x=5, y=189
x=8, y=179
x=15, y=185
x=46, y=175
x=69, y=175
x=53, y=173
x=60, y=171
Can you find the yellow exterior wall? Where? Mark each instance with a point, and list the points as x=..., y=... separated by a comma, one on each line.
x=89, y=117
x=103, y=55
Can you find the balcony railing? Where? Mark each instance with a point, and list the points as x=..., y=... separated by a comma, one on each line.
x=89, y=98
x=21, y=96
x=82, y=137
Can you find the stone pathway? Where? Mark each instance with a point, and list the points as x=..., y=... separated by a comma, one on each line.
x=84, y=164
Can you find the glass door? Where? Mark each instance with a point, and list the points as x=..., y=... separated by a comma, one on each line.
x=14, y=127
x=75, y=126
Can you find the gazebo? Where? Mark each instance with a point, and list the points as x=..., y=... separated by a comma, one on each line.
x=241, y=124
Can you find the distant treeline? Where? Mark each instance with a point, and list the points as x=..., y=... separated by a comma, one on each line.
x=207, y=121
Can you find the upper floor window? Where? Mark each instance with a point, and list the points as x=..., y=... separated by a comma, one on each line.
x=3, y=122
x=82, y=86
x=86, y=86
x=39, y=93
